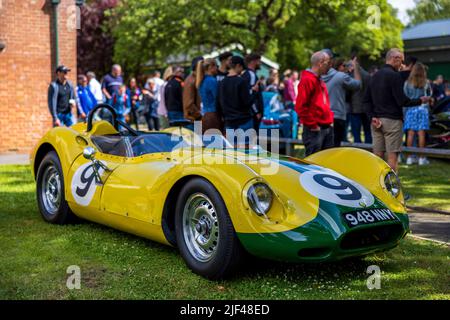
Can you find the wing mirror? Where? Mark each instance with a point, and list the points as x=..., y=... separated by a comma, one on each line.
x=89, y=154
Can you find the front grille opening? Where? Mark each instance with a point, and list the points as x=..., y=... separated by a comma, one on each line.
x=371, y=237
x=313, y=252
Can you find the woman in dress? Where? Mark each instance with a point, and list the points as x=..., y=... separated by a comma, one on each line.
x=417, y=118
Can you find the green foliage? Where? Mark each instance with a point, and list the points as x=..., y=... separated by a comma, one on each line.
x=426, y=10
x=346, y=26
x=285, y=30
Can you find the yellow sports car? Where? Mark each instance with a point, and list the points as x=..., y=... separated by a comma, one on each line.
x=217, y=203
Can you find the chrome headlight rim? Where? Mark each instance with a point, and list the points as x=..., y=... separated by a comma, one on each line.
x=254, y=193
x=392, y=184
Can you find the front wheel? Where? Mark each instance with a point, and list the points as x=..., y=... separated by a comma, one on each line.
x=50, y=191
x=205, y=235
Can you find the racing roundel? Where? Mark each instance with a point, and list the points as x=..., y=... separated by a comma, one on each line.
x=335, y=188
x=84, y=184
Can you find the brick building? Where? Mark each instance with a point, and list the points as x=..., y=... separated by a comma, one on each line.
x=27, y=64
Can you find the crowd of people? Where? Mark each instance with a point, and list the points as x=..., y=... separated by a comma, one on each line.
x=334, y=97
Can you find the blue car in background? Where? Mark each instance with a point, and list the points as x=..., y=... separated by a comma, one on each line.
x=276, y=116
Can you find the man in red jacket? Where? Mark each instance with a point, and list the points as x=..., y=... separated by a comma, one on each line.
x=313, y=106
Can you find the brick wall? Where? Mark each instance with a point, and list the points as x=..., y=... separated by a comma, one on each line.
x=26, y=67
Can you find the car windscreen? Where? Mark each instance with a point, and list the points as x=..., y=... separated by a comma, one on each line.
x=156, y=142
x=130, y=146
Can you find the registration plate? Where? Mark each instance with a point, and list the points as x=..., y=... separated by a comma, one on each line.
x=368, y=216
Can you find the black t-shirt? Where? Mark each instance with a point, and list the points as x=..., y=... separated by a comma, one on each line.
x=221, y=75
x=62, y=103
x=234, y=101
x=251, y=78
x=173, y=95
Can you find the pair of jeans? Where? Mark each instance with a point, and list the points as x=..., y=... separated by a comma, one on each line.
x=238, y=137
x=356, y=121
x=177, y=116
x=339, y=131
x=152, y=122
x=316, y=141
x=66, y=119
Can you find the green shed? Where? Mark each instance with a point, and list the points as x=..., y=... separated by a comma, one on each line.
x=430, y=43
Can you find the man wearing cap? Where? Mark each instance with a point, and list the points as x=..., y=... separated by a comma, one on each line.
x=61, y=98
x=191, y=97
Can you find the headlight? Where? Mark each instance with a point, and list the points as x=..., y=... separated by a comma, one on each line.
x=392, y=184
x=260, y=198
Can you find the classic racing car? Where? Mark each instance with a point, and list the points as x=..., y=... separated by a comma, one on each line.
x=217, y=203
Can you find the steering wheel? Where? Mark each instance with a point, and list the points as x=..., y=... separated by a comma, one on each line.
x=115, y=121
x=98, y=107
x=126, y=126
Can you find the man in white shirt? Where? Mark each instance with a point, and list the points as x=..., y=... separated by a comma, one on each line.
x=158, y=84
x=95, y=87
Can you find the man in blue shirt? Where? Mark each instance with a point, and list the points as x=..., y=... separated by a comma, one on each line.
x=121, y=103
x=112, y=82
x=85, y=97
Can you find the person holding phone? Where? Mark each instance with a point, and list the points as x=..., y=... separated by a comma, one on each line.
x=253, y=63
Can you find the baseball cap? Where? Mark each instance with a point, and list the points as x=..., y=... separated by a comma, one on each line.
x=62, y=68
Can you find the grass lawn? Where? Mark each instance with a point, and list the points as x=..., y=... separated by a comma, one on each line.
x=114, y=265
x=429, y=186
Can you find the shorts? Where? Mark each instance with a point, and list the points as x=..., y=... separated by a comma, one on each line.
x=388, y=138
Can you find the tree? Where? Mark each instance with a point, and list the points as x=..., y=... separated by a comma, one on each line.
x=426, y=10
x=288, y=30
x=157, y=29
x=365, y=28
x=94, y=41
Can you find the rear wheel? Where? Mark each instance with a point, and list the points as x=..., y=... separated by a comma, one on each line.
x=50, y=191
x=205, y=234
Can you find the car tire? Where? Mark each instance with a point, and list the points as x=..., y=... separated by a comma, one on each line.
x=205, y=234
x=50, y=191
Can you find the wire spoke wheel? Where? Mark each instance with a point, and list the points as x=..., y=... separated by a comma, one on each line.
x=200, y=227
x=51, y=190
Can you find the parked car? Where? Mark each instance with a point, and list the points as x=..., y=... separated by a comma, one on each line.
x=216, y=203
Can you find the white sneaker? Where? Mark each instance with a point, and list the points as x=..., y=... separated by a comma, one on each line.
x=409, y=161
x=423, y=161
